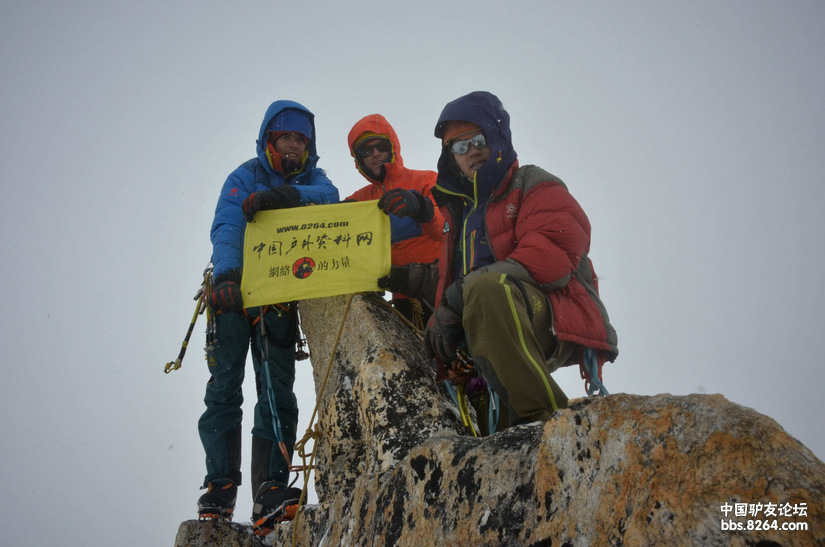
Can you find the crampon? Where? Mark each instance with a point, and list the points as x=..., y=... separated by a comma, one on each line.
x=266, y=524
x=216, y=513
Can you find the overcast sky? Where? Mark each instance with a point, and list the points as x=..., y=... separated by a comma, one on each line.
x=692, y=134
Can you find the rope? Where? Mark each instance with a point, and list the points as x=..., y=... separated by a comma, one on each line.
x=591, y=372
x=314, y=430
x=382, y=302
x=417, y=314
x=270, y=391
x=493, y=410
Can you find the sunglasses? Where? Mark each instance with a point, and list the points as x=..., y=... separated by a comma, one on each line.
x=461, y=147
x=365, y=149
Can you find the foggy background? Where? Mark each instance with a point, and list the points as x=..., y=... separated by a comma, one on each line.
x=691, y=132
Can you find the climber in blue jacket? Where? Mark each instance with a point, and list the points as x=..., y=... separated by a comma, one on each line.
x=283, y=175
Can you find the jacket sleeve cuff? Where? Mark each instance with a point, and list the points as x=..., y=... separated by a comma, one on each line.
x=229, y=275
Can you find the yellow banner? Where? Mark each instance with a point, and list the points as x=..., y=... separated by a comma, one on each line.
x=314, y=251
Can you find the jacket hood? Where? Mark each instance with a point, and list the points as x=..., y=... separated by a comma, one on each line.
x=273, y=110
x=378, y=125
x=486, y=111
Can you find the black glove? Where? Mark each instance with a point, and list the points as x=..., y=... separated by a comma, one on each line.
x=227, y=296
x=443, y=334
x=397, y=281
x=407, y=203
x=281, y=197
x=414, y=280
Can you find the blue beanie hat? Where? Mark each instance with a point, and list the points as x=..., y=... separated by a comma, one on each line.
x=291, y=121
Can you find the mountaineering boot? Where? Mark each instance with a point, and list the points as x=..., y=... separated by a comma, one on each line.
x=219, y=501
x=273, y=504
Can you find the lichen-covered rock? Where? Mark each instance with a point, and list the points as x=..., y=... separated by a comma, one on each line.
x=622, y=470
x=380, y=399
x=193, y=533
x=397, y=468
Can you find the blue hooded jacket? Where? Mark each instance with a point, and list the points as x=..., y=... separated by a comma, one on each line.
x=256, y=175
x=486, y=111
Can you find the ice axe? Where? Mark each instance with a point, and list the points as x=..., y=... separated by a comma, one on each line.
x=201, y=305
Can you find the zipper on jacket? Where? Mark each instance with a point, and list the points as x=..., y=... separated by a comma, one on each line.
x=464, y=266
x=487, y=230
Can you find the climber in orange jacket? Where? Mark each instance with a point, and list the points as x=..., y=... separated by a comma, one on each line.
x=404, y=194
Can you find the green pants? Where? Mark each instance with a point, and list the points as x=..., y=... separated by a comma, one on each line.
x=273, y=359
x=509, y=328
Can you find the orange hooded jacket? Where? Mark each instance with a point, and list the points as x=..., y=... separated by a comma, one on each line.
x=426, y=247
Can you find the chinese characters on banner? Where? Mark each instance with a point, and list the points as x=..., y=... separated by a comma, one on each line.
x=314, y=251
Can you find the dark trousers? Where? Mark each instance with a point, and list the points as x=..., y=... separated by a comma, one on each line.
x=273, y=359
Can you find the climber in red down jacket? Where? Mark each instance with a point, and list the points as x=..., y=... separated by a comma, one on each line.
x=516, y=286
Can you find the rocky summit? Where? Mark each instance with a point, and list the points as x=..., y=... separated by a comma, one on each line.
x=395, y=466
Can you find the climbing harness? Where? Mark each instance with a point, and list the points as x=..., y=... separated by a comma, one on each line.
x=202, y=298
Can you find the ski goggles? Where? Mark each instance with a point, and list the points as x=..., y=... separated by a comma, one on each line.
x=366, y=148
x=461, y=147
